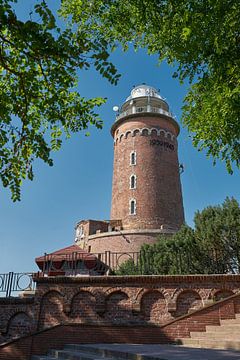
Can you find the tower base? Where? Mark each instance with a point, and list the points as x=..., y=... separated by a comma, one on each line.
x=125, y=240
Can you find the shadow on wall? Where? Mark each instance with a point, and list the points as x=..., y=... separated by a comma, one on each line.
x=117, y=307
x=18, y=325
x=113, y=306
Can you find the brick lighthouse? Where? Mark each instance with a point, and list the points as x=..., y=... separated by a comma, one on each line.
x=146, y=189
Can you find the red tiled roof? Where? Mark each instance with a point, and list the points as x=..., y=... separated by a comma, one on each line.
x=70, y=253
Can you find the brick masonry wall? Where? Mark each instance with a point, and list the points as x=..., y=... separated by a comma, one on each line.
x=56, y=337
x=120, y=242
x=112, y=301
x=158, y=192
x=17, y=317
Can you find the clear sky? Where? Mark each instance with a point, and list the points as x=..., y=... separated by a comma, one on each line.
x=79, y=185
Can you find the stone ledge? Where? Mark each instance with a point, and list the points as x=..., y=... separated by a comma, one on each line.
x=16, y=301
x=129, y=117
x=139, y=279
x=132, y=232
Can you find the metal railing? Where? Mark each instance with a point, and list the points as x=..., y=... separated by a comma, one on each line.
x=144, y=109
x=177, y=262
x=16, y=282
x=181, y=262
x=78, y=263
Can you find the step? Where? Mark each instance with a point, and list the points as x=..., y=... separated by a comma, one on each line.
x=226, y=328
x=42, y=357
x=211, y=344
x=74, y=355
x=89, y=353
x=230, y=321
x=215, y=335
x=101, y=352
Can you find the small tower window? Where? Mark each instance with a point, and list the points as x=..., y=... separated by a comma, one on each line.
x=133, y=182
x=133, y=158
x=132, y=207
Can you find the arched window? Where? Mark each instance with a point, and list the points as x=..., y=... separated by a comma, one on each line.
x=132, y=209
x=133, y=158
x=133, y=182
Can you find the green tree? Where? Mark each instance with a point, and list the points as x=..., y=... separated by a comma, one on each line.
x=213, y=246
x=201, y=38
x=39, y=103
x=218, y=228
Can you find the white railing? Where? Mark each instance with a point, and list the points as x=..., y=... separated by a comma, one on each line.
x=144, y=109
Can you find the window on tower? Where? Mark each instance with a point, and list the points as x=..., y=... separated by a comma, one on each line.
x=133, y=158
x=132, y=207
x=133, y=182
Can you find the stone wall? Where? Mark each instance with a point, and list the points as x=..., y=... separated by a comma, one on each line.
x=112, y=301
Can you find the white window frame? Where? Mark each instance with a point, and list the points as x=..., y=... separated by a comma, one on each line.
x=135, y=158
x=130, y=207
x=135, y=182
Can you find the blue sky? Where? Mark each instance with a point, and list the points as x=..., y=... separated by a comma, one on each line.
x=79, y=184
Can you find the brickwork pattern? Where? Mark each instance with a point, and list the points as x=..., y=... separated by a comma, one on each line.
x=17, y=318
x=58, y=336
x=120, y=242
x=112, y=300
x=158, y=193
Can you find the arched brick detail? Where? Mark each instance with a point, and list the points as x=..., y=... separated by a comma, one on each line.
x=135, y=132
x=222, y=294
x=153, y=306
x=118, y=307
x=166, y=293
x=83, y=306
x=128, y=133
x=187, y=301
x=5, y=320
x=145, y=132
x=19, y=324
x=154, y=131
x=51, y=309
x=169, y=135
x=108, y=292
x=162, y=133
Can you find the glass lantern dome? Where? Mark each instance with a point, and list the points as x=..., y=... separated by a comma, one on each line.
x=144, y=90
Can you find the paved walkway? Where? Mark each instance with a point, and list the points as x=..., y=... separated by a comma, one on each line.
x=173, y=352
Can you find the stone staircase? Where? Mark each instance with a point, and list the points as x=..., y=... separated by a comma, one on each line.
x=88, y=352
x=223, y=336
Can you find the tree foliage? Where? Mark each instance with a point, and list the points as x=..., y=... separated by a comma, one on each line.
x=39, y=103
x=213, y=246
x=201, y=38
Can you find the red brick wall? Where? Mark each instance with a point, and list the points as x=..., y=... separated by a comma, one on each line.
x=154, y=307
x=112, y=300
x=56, y=337
x=187, y=301
x=158, y=193
x=124, y=300
x=17, y=318
x=120, y=242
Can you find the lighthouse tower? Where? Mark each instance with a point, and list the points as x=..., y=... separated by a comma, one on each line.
x=146, y=192
x=146, y=188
